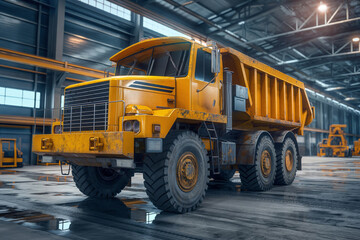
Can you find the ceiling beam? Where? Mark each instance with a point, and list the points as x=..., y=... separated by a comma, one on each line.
x=301, y=29
x=253, y=17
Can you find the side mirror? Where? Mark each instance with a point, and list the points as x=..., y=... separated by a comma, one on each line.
x=215, y=58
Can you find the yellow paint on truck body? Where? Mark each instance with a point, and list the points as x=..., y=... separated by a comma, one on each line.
x=276, y=101
x=114, y=144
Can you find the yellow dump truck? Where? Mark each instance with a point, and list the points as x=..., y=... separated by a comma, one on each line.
x=335, y=145
x=180, y=112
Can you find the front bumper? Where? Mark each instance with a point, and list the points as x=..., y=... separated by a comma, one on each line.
x=85, y=145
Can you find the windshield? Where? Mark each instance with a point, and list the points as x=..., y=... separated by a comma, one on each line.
x=170, y=60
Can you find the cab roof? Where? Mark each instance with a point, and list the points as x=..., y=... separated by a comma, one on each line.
x=147, y=44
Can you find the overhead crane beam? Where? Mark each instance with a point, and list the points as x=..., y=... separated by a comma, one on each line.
x=29, y=59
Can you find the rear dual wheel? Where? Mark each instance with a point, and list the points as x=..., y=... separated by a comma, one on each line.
x=287, y=160
x=261, y=175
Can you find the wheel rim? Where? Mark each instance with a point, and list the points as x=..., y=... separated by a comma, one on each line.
x=107, y=174
x=266, y=163
x=289, y=160
x=187, y=172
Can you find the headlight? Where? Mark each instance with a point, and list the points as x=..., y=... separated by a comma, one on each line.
x=57, y=129
x=128, y=127
x=136, y=126
x=131, y=126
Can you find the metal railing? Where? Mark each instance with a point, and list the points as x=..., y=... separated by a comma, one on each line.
x=86, y=117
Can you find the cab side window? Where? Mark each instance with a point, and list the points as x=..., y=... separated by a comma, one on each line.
x=203, y=66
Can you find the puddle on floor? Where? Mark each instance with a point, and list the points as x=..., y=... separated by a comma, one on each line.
x=135, y=209
x=8, y=172
x=38, y=176
x=6, y=185
x=51, y=178
x=33, y=219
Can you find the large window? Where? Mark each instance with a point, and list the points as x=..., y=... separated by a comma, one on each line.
x=162, y=29
x=110, y=8
x=18, y=97
x=170, y=60
x=203, y=66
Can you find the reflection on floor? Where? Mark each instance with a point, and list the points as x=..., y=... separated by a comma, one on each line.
x=322, y=203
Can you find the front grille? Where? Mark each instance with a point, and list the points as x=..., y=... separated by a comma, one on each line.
x=86, y=107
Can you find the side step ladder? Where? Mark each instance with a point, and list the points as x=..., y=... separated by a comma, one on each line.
x=214, y=151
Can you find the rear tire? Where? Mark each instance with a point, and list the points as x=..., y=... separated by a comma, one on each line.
x=286, y=163
x=261, y=175
x=177, y=179
x=99, y=182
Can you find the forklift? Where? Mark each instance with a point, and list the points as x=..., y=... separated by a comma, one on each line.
x=10, y=155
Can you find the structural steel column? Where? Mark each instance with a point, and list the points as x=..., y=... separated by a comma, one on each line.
x=138, y=31
x=55, y=51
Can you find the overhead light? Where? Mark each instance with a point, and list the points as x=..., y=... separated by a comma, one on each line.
x=355, y=84
x=351, y=98
x=322, y=84
x=241, y=23
x=334, y=89
x=356, y=39
x=287, y=62
x=322, y=7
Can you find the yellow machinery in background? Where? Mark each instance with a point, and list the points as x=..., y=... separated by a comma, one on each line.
x=356, y=149
x=321, y=148
x=10, y=156
x=178, y=112
x=335, y=145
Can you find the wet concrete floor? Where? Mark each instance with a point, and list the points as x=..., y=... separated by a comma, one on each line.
x=322, y=203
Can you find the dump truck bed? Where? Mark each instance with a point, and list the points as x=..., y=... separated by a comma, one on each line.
x=276, y=101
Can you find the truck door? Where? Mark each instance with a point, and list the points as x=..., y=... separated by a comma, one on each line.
x=205, y=89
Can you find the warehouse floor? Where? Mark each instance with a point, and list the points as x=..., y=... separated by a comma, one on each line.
x=323, y=203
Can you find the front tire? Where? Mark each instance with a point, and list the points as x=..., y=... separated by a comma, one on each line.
x=177, y=179
x=261, y=175
x=287, y=160
x=99, y=182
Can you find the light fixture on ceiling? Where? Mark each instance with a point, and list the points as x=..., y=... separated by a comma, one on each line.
x=334, y=89
x=322, y=7
x=355, y=84
x=351, y=98
x=356, y=39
